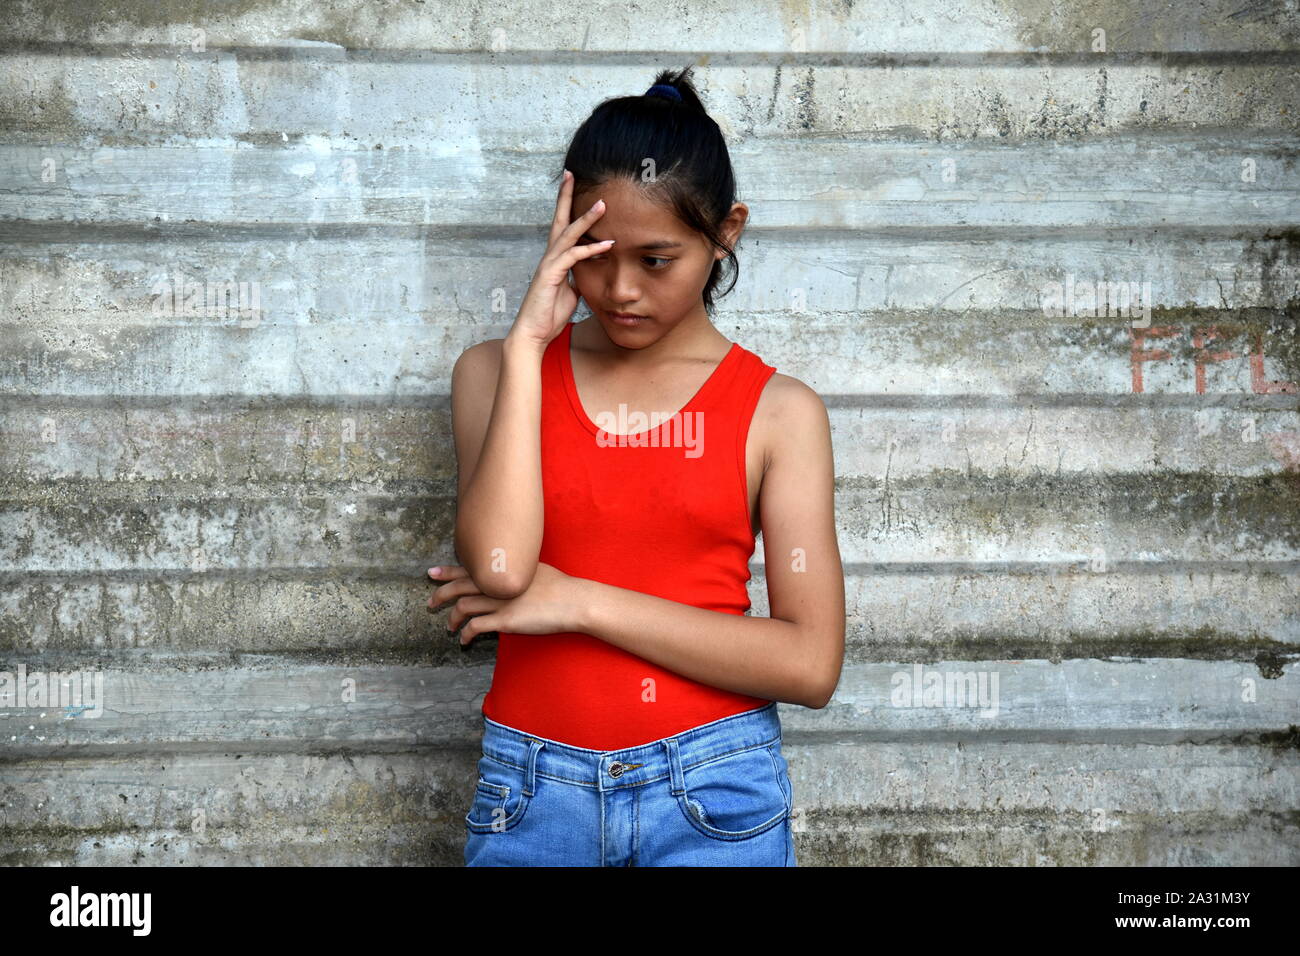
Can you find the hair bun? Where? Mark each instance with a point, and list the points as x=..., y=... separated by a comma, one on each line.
x=665, y=91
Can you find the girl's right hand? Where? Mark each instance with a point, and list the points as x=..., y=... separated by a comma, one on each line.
x=551, y=298
x=458, y=585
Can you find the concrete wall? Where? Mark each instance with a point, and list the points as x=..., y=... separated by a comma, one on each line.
x=230, y=517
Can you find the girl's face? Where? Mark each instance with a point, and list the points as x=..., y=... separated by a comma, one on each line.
x=657, y=267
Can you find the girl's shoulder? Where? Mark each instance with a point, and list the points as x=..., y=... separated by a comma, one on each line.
x=474, y=374
x=786, y=406
x=787, y=397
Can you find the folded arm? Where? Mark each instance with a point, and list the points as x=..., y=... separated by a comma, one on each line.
x=793, y=656
x=496, y=420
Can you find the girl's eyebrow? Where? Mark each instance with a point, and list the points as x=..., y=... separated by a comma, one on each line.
x=657, y=244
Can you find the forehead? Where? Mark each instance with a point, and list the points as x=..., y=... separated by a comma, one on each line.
x=628, y=208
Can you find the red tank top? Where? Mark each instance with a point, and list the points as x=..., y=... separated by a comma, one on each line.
x=668, y=516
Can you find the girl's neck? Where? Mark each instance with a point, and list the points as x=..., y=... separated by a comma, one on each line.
x=694, y=337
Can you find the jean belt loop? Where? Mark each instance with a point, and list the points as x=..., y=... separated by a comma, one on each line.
x=530, y=778
x=675, y=766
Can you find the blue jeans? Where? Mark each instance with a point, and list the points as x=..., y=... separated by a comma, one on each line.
x=716, y=795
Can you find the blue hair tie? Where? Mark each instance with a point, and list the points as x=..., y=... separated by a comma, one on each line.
x=664, y=90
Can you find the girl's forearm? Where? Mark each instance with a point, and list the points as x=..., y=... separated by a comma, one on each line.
x=499, y=519
x=759, y=656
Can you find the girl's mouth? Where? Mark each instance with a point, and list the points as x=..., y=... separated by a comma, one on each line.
x=627, y=318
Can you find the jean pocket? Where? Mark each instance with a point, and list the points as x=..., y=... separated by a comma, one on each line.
x=737, y=796
x=499, y=798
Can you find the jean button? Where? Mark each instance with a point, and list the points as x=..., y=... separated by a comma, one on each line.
x=616, y=769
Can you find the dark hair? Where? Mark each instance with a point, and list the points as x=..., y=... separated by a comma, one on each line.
x=692, y=168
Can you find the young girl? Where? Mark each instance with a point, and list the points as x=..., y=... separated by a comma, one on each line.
x=613, y=475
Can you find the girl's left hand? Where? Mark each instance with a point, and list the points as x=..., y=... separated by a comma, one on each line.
x=549, y=605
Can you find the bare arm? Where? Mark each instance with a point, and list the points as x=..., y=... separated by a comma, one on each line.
x=496, y=398
x=793, y=656
x=496, y=420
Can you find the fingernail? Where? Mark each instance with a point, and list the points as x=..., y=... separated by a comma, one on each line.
x=435, y=570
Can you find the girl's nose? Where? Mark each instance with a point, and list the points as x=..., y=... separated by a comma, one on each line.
x=622, y=284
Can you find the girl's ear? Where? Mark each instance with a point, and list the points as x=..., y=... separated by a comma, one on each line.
x=735, y=223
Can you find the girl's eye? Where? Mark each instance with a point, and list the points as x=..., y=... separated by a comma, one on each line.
x=660, y=262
